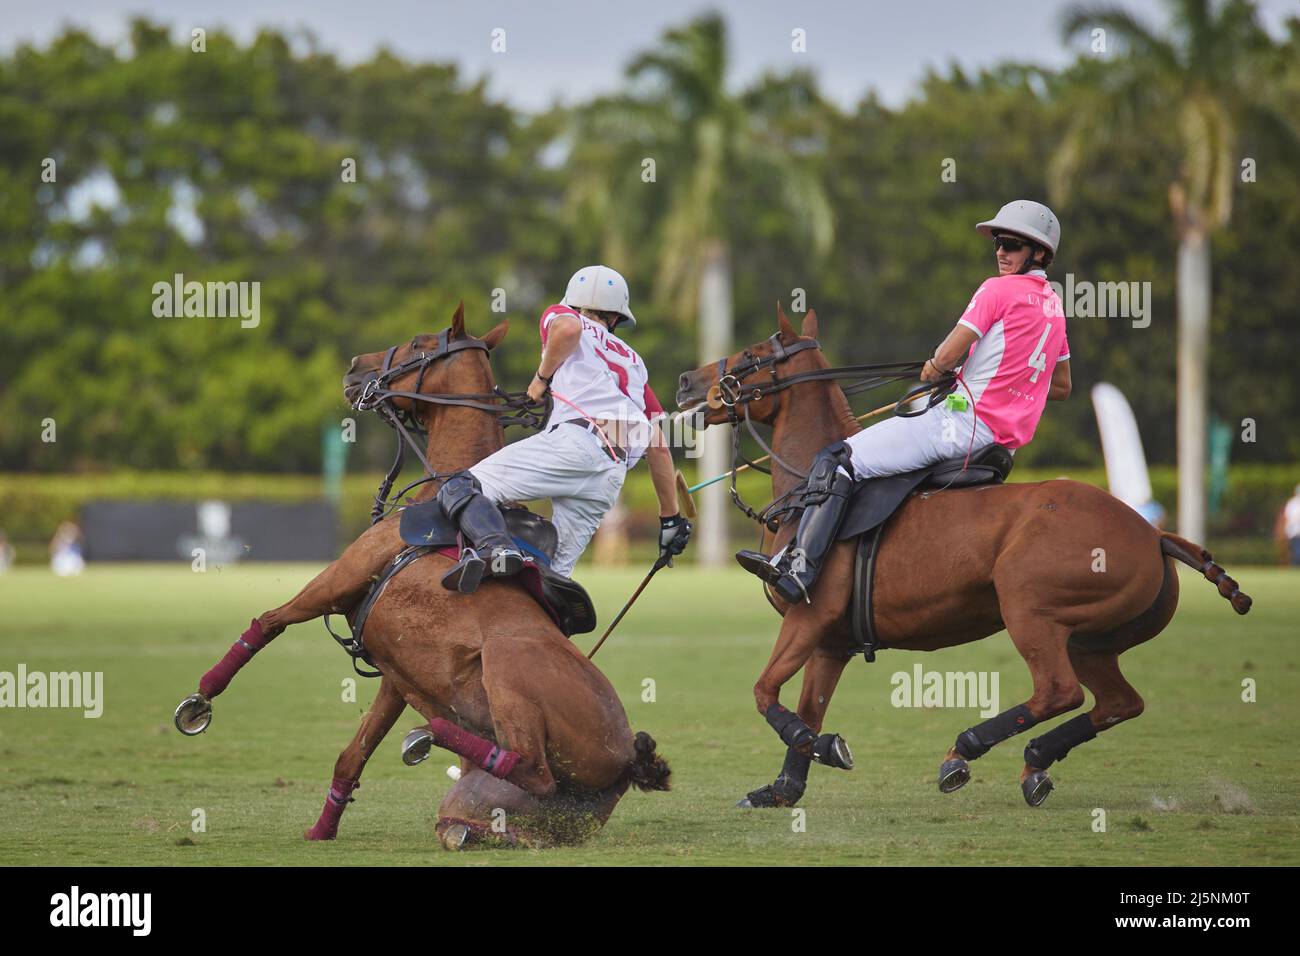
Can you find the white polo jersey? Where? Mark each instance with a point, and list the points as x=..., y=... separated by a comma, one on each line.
x=603, y=378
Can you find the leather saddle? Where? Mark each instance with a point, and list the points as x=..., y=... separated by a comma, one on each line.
x=876, y=499
x=425, y=528
x=426, y=525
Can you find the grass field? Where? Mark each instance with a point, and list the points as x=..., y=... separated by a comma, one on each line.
x=1201, y=778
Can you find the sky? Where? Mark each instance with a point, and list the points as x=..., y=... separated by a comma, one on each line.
x=569, y=50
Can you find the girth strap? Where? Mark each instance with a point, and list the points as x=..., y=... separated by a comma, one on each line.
x=864, y=577
x=355, y=646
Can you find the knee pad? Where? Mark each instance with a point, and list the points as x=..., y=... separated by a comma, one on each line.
x=979, y=740
x=843, y=455
x=456, y=492
x=1044, y=751
x=824, y=477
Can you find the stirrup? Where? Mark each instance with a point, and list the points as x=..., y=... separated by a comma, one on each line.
x=784, y=592
x=467, y=573
x=506, y=562
x=771, y=571
x=760, y=565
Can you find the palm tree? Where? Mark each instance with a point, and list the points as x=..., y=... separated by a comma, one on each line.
x=705, y=143
x=1206, y=75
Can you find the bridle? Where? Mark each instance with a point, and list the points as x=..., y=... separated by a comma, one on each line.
x=513, y=407
x=734, y=392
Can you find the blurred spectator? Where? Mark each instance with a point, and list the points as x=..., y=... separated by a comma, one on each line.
x=6, y=552
x=1288, y=529
x=65, y=550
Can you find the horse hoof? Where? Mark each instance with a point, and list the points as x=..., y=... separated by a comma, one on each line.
x=1036, y=787
x=783, y=793
x=193, y=715
x=416, y=746
x=953, y=775
x=833, y=751
x=454, y=836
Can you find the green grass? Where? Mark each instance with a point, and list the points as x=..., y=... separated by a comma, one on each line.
x=1201, y=778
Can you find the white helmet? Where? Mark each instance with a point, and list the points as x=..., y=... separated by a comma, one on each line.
x=1027, y=218
x=602, y=289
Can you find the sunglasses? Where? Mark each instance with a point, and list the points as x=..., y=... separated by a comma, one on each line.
x=1010, y=243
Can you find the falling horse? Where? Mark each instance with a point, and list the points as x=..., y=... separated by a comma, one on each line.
x=1020, y=557
x=542, y=735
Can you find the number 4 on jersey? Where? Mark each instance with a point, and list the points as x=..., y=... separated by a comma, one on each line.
x=1038, y=359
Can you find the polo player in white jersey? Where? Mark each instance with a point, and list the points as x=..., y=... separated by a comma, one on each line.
x=1011, y=357
x=605, y=418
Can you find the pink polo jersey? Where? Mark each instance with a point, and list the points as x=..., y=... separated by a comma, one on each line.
x=1021, y=329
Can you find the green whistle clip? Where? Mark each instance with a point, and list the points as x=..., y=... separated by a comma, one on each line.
x=955, y=403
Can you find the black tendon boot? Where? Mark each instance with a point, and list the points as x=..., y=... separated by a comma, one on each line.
x=481, y=523
x=793, y=571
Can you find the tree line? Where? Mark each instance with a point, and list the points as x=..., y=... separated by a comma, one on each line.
x=366, y=200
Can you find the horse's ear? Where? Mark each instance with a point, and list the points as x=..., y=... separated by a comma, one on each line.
x=783, y=323
x=809, y=324
x=494, y=337
x=458, y=321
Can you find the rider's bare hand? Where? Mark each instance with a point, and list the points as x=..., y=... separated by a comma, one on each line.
x=930, y=373
x=537, y=389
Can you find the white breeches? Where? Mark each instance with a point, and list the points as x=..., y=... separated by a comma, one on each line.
x=568, y=466
x=897, y=445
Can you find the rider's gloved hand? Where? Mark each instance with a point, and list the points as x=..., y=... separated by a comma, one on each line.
x=674, y=532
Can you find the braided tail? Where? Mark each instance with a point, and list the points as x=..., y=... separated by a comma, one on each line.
x=648, y=770
x=1194, y=556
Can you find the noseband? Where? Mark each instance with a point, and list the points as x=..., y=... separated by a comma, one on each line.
x=731, y=392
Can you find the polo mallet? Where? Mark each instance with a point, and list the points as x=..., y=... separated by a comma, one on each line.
x=660, y=563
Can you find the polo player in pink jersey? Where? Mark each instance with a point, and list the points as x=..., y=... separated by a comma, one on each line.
x=605, y=418
x=1016, y=360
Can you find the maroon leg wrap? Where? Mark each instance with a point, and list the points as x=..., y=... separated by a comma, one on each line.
x=240, y=653
x=486, y=754
x=336, y=801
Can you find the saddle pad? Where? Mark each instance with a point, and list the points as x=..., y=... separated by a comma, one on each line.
x=426, y=525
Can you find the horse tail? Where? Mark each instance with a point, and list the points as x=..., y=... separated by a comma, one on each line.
x=648, y=770
x=1194, y=556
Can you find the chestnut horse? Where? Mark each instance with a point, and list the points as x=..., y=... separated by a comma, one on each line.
x=545, y=744
x=1020, y=557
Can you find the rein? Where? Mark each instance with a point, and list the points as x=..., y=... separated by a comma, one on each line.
x=513, y=407
x=731, y=392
